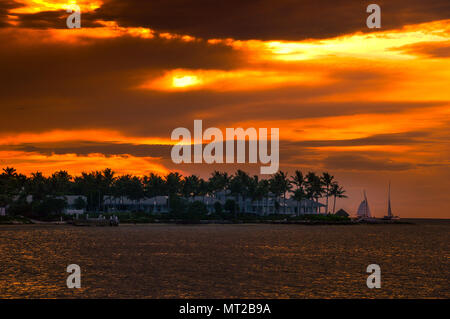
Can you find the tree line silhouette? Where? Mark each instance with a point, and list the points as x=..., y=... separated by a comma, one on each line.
x=47, y=192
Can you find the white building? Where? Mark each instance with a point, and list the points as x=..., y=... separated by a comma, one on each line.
x=158, y=204
x=266, y=206
x=72, y=204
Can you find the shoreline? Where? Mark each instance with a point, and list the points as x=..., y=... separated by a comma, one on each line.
x=20, y=221
x=225, y=222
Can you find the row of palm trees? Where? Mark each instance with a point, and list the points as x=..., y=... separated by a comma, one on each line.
x=97, y=185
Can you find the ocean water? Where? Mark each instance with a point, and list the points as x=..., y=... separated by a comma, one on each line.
x=226, y=261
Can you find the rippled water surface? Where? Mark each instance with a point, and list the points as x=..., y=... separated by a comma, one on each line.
x=226, y=261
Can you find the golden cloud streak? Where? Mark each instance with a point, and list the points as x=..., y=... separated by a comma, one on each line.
x=237, y=80
x=94, y=135
x=379, y=45
x=36, y=6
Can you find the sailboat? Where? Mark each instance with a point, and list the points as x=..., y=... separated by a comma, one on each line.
x=390, y=216
x=363, y=209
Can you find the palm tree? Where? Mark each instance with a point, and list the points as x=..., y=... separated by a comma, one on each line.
x=12, y=185
x=93, y=186
x=134, y=190
x=38, y=186
x=116, y=190
x=120, y=188
x=254, y=190
x=299, y=195
x=153, y=186
x=275, y=189
x=285, y=186
x=280, y=185
x=107, y=182
x=203, y=189
x=218, y=182
x=238, y=187
x=173, y=183
x=264, y=190
x=338, y=192
x=235, y=187
x=314, y=187
x=173, y=186
x=224, y=183
x=190, y=186
x=327, y=181
x=10, y=172
x=298, y=181
x=59, y=184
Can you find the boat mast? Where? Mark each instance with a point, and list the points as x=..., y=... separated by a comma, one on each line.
x=366, y=210
x=389, y=201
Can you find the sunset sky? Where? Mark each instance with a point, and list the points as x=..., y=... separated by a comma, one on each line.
x=368, y=105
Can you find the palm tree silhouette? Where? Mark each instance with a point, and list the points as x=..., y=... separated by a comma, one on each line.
x=314, y=187
x=327, y=181
x=280, y=185
x=257, y=190
x=238, y=186
x=190, y=186
x=173, y=186
x=338, y=192
x=299, y=193
x=10, y=172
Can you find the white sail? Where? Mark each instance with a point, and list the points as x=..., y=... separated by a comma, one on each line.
x=363, y=209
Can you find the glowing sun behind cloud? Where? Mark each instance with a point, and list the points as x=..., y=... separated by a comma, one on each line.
x=240, y=79
x=184, y=81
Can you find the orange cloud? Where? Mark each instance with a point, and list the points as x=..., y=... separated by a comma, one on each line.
x=80, y=135
x=126, y=164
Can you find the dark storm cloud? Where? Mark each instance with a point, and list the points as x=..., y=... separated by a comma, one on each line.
x=308, y=152
x=143, y=113
x=251, y=19
x=364, y=163
x=406, y=138
x=267, y=19
x=299, y=110
x=43, y=20
x=65, y=68
x=84, y=148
